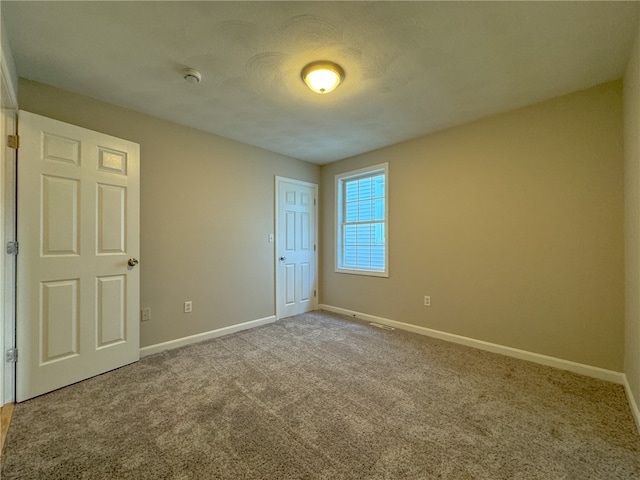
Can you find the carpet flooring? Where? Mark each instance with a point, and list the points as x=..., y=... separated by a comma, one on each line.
x=320, y=396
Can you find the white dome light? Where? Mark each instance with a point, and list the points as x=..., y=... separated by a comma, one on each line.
x=323, y=76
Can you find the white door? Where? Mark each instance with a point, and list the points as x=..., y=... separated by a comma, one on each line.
x=296, y=247
x=78, y=225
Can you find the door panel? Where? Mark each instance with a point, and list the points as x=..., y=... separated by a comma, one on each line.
x=59, y=316
x=59, y=227
x=60, y=149
x=305, y=282
x=290, y=283
x=78, y=224
x=296, y=266
x=111, y=314
x=111, y=216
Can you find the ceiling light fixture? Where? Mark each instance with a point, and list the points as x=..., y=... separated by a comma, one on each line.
x=192, y=76
x=322, y=76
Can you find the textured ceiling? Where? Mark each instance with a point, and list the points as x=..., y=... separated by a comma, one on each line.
x=411, y=67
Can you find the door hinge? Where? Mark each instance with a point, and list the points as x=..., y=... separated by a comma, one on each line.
x=13, y=141
x=314, y=202
x=314, y=293
x=11, y=356
x=13, y=248
x=314, y=248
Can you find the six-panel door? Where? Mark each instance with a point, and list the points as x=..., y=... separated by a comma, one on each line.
x=296, y=249
x=78, y=224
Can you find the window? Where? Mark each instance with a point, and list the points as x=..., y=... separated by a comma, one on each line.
x=361, y=221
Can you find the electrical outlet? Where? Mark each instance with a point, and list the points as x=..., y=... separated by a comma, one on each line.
x=427, y=301
x=145, y=314
x=188, y=306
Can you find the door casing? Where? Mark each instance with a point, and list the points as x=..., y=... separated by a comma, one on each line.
x=9, y=104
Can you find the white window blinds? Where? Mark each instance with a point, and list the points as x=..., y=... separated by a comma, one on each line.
x=362, y=221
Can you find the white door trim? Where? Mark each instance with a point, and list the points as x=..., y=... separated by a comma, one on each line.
x=278, y=288
x=9, y=104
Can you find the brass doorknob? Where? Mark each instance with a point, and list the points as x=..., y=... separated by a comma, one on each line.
x=132, y=262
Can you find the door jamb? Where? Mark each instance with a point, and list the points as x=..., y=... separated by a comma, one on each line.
x=278, y=287
x=8, y=218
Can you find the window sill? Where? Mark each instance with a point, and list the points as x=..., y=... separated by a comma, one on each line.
x=366, y=273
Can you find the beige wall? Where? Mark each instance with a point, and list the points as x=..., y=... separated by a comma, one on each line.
x=632, y=219
x=513, y=225
x=206, y=212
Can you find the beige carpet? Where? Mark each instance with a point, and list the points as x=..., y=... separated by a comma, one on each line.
x=319, y=396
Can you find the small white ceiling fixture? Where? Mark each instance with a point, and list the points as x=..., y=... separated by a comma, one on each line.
x=322, y=76
x=192, y=76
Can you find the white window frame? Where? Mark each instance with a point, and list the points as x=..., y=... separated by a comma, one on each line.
x=340, y=180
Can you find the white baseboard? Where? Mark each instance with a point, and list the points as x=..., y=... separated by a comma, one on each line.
x=588, y=370
x=180, y=342
x=632, y=402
